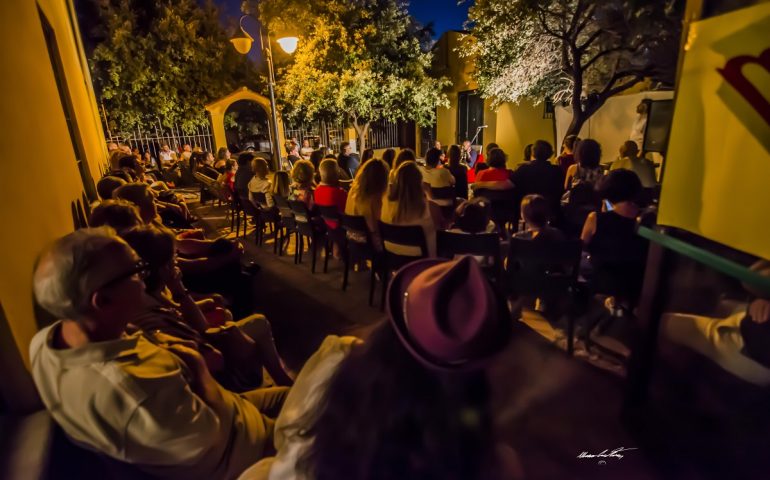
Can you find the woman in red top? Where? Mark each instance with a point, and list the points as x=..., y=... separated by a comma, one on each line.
x=496, y=177
x=329, y=193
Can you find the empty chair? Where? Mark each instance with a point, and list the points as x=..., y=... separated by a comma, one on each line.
x=308, y=228
x=401, y=244
x=546, y=270
x=482, y=245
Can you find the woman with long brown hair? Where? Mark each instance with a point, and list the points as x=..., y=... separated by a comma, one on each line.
x=406, y=205
x=366, y=195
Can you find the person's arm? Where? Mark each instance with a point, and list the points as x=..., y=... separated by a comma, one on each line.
x=191, y=312
x=180, y=416
x=570, y=173
x=193, y=247
x=589, y=229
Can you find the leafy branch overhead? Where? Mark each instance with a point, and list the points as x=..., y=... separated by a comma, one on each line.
x=578, y=51
x=363, y=61
x=161, y=62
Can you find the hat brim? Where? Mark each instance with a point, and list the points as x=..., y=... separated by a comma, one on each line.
x=395, y=310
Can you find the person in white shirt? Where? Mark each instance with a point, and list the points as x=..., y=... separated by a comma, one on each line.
x=259, y=183
x=154, y=406
x=434, y=176
x=640, y=125
x=306, y=149
x=167, y=157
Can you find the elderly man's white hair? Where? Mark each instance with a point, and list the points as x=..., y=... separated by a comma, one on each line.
x=64, y=275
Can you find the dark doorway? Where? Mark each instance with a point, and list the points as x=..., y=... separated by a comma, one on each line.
x=470, y=116
x=247, y=127
x=427, y=138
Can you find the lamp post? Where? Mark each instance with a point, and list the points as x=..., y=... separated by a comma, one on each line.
x=288, y=44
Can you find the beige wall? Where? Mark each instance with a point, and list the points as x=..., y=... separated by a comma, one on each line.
x=520, y=125
x=40, y=176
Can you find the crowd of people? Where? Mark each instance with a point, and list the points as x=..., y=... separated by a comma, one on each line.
x=150, y=363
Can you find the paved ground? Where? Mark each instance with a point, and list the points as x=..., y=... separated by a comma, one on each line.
x=698, y=424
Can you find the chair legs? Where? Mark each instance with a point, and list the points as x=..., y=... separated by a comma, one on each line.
x=313, y=252
x=327, y=252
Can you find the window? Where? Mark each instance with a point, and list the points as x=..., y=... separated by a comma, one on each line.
x=67, y=106
x=470, y=116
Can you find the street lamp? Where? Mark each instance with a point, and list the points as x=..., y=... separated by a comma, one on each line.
x=242, y=44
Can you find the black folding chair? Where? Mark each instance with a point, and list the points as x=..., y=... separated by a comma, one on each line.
x=393, y=237
x=359, y=247
x=504, y=207
x=308, y=226
x=330, y=214
x=250, y=210
x=487, y=245
x=269, y=217
x=545, y=270
x=287, y=227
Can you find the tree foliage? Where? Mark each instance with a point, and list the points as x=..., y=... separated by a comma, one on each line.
x=578, y=51
x=361, y=60
x=160, y=62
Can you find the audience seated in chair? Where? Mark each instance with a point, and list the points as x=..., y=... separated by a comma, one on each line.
x=630, y=160
x=259, y=183
x=303, y=185
x=107, y=185
x=155, y=407
x=586, y=168
x=459, y=171
x=366, y=197
x=540, y=176
x=536, y=213
x=497, y=176
x=434, y=176
x=617, y=253
x=245, y=346
x=406, y=204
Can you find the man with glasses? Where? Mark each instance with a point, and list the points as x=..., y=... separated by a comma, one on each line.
x=156, y=407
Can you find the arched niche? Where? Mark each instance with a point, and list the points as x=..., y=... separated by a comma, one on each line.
x=218, y=109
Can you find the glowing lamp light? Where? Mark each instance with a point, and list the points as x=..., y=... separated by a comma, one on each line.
x=242, y=43
x=288, y=44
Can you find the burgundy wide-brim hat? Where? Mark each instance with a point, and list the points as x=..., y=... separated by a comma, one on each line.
x=446, y=313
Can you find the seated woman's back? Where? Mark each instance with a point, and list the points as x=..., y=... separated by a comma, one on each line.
x=406, y=205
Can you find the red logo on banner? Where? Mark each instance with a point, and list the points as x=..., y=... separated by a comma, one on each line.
x=733, y=74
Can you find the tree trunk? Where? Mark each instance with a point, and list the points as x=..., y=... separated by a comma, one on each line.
x=361, y=133
x=578, y=119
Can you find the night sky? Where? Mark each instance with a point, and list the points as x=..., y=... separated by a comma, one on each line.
x=445, y=14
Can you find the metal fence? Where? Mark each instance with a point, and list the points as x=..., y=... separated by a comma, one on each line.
x=383, y=134
x=174, y=137
x=330, y=134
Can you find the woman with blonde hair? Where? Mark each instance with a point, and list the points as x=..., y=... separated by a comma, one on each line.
x=366, y=195
x=406, y=205
x=259, y=183
x=302, y=185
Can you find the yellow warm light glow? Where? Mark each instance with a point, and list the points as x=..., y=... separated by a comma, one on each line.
x=242, y=44
x=288, y=44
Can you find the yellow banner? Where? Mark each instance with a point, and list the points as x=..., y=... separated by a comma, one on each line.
x=717, y=174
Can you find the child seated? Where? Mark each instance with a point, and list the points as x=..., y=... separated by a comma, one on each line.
x=535, y=212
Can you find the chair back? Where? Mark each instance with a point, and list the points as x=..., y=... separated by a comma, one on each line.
x=540, y=267
x=359, y=238
x=487, y=245
x=330, y=214
x=305, y=219
x=443, y=193
x=396, y=237
x=261, y=199
x=284, y=210
x=503, y=205
x=247, y=205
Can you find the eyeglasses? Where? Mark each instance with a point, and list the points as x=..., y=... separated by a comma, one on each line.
x=140, y=268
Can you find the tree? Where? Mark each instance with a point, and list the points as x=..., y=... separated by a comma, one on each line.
x=161, y=61
x=577, y=51
x=362, y=60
